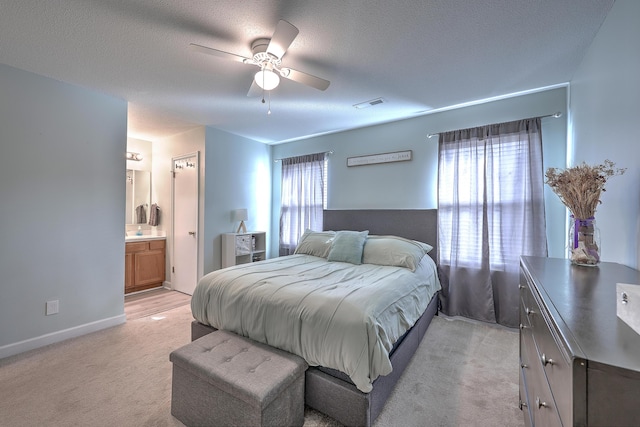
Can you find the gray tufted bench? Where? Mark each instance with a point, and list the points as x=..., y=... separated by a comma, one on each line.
x=223, y=379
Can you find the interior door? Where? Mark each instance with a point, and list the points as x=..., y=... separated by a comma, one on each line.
x=185, y=222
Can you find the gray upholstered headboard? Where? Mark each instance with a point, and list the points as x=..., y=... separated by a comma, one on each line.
x=416, y=224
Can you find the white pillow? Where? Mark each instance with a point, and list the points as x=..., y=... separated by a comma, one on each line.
x=316, y=243
x=393, y=251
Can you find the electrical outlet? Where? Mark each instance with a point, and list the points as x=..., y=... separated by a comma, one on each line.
x=52, y=308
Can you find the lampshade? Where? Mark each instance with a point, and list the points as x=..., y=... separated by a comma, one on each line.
x=267, y=79
x=239, y=215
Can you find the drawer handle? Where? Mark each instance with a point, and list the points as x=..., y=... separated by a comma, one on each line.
x=522, y=327
x=522, y=287
x=529, y=311
x=524, y=365
x=523, y=404
x=541, y=404
x=546, y=361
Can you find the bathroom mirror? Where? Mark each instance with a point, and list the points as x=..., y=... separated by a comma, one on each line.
x=138, y=196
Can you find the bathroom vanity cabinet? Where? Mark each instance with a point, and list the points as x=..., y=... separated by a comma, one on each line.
x=144, y=265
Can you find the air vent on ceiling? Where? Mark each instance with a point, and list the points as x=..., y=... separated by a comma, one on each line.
x=369, y=103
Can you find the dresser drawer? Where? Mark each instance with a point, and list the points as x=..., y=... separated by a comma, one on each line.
x=526, y=383
x=541, y=405
x=552, y=360
x=556, y=368
x=527, y=303
x=524, y=318
x=531, y=308
x=524, y=400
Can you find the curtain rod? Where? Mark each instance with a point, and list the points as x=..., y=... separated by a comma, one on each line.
x=555, y=115
x=326, y=152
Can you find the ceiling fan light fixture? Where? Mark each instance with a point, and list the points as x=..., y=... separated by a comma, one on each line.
x=267, y=79
x=284, y=72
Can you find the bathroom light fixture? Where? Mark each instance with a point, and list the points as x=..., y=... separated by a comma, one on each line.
x=134, y=156
x=239, y=215
x=266, y=78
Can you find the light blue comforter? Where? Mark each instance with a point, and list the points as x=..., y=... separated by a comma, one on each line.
x=333, y=314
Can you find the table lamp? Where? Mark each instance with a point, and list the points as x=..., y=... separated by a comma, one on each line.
x=240, y=215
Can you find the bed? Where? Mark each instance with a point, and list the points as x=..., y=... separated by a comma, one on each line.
x=356, y=332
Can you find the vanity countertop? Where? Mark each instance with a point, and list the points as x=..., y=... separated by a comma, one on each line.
x=135, y=238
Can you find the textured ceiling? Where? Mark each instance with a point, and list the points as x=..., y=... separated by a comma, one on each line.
x=418, y=55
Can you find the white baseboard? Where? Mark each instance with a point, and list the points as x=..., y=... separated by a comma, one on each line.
x=65, y=334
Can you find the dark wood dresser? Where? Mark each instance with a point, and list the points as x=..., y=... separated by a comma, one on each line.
x=579, y=363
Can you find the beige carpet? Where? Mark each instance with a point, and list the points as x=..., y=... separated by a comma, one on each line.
x=464, y=374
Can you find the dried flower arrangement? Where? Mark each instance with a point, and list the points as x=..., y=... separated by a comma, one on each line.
x=579, y=187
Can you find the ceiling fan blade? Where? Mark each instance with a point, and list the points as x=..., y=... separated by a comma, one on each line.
x=254, y=90
x=282, y=38
x=304, y=78
x=220, y=53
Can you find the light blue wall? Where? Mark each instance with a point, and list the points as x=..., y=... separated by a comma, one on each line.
x=605, y=110
x=62, y=202
x=237, y=175
x=413, y=184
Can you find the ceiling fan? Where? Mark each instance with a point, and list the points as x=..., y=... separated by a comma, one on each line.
x=267, y=55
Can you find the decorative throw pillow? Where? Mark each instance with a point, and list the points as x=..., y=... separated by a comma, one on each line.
x=393, y=251
x=347, y=246
x=316, y=243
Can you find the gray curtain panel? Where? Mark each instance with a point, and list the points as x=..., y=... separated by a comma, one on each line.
x=301, y=200
x=490, y=212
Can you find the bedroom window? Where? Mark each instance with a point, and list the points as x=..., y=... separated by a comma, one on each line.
x=490, y=212
x=303, y=198
x=461, y=202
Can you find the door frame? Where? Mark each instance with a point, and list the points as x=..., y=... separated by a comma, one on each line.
x=195, y=154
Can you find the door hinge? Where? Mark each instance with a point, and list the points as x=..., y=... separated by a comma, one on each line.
x=173, y=174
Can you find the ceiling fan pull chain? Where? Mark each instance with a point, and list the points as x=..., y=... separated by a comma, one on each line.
x=262, y=68
x=268, y=94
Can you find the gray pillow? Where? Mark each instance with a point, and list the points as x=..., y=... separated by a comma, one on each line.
x=393, y=251
x=316, y=243
x=347, y=246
